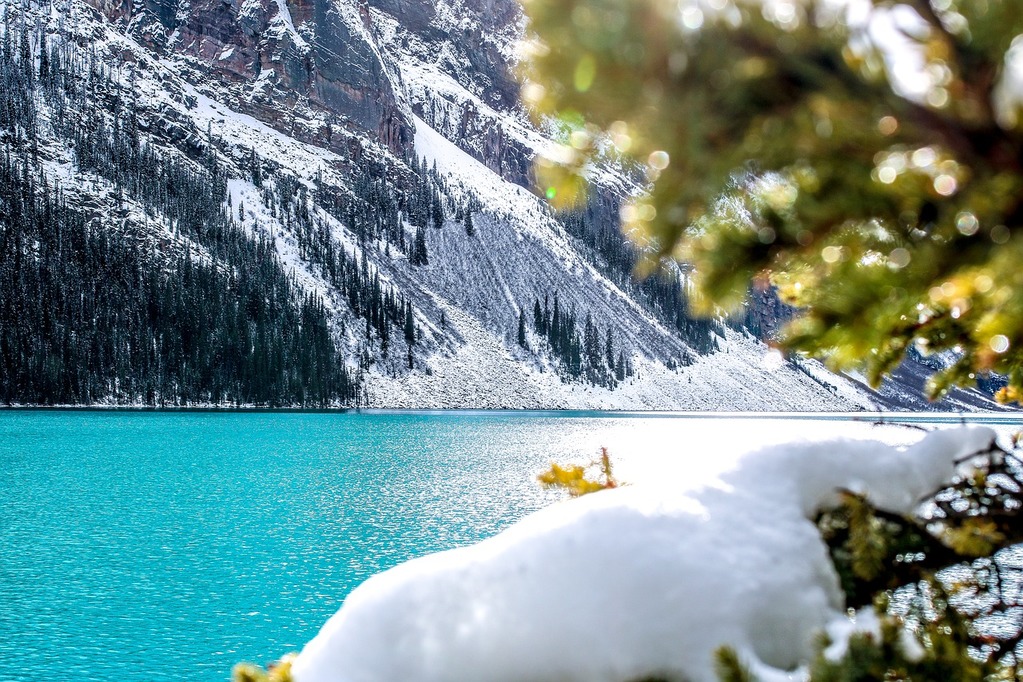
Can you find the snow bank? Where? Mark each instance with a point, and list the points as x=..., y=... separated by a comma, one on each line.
x=639, y=581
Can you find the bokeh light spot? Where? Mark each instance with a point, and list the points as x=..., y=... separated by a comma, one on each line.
x=999, y=343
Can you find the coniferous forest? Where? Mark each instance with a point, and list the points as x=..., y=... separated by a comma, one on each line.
x=90, y=314
x=663, y=293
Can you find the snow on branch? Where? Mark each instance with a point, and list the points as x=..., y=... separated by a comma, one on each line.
x=658, y=581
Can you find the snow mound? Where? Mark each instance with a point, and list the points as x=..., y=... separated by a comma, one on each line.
x=646, y=580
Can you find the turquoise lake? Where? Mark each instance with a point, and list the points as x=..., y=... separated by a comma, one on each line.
x=150, y=546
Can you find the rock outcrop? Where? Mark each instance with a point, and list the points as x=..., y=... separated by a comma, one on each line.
x=309, y=68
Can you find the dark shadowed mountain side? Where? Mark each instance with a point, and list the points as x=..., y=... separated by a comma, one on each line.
x=326, y=202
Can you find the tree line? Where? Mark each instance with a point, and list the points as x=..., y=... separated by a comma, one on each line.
x=583, y=351
x=664, y=293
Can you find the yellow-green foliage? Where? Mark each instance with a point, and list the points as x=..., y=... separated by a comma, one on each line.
x=876, y=553
x=974, y=537
x=729, y=667
x=888, y=559
x=867, y=539
x=866, y=547
x=872, y=659
x=275, y=672
x=776, y=148
x=573, y=479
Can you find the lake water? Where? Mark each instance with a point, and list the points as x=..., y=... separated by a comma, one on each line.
x=151, y=546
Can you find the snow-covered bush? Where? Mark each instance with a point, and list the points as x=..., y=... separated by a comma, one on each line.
x=769, y=572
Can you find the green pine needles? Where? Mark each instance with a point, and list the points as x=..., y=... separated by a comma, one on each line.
x=943, y=583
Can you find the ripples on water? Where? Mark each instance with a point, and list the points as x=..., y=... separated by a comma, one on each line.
x=141, y=546
x=169, y=546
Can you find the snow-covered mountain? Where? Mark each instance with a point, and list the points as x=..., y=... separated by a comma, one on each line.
x=376, y=152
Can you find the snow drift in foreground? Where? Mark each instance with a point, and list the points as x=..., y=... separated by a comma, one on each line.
x=639, y=581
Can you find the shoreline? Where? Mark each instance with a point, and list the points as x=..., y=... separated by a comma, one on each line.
x=1008, y=416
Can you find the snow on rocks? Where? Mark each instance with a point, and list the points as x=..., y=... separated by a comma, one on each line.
x=519, y=253
x=646, y=580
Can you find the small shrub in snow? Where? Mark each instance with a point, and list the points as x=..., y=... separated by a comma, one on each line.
x=275, y=672
x=573, y=479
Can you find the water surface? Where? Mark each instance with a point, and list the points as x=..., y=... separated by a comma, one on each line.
x=150, y=546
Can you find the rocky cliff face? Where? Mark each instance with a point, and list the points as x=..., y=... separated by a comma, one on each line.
x=308, y=67
x=467, y=44
x=317, y=69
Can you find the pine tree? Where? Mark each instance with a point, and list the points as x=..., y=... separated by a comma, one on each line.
x=419, y=255
x=522, y=329
x=44, y=59
x=255, y=168
x=609, y=351
x=385, y=338
x=556, y=332
x=591, y=343
x=410, y=328
x=470, y=229
x=438, y=211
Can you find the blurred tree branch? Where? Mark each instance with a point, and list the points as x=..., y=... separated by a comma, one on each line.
x=796, y=143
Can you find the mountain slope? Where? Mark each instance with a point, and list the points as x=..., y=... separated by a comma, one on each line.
x=372, y=160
